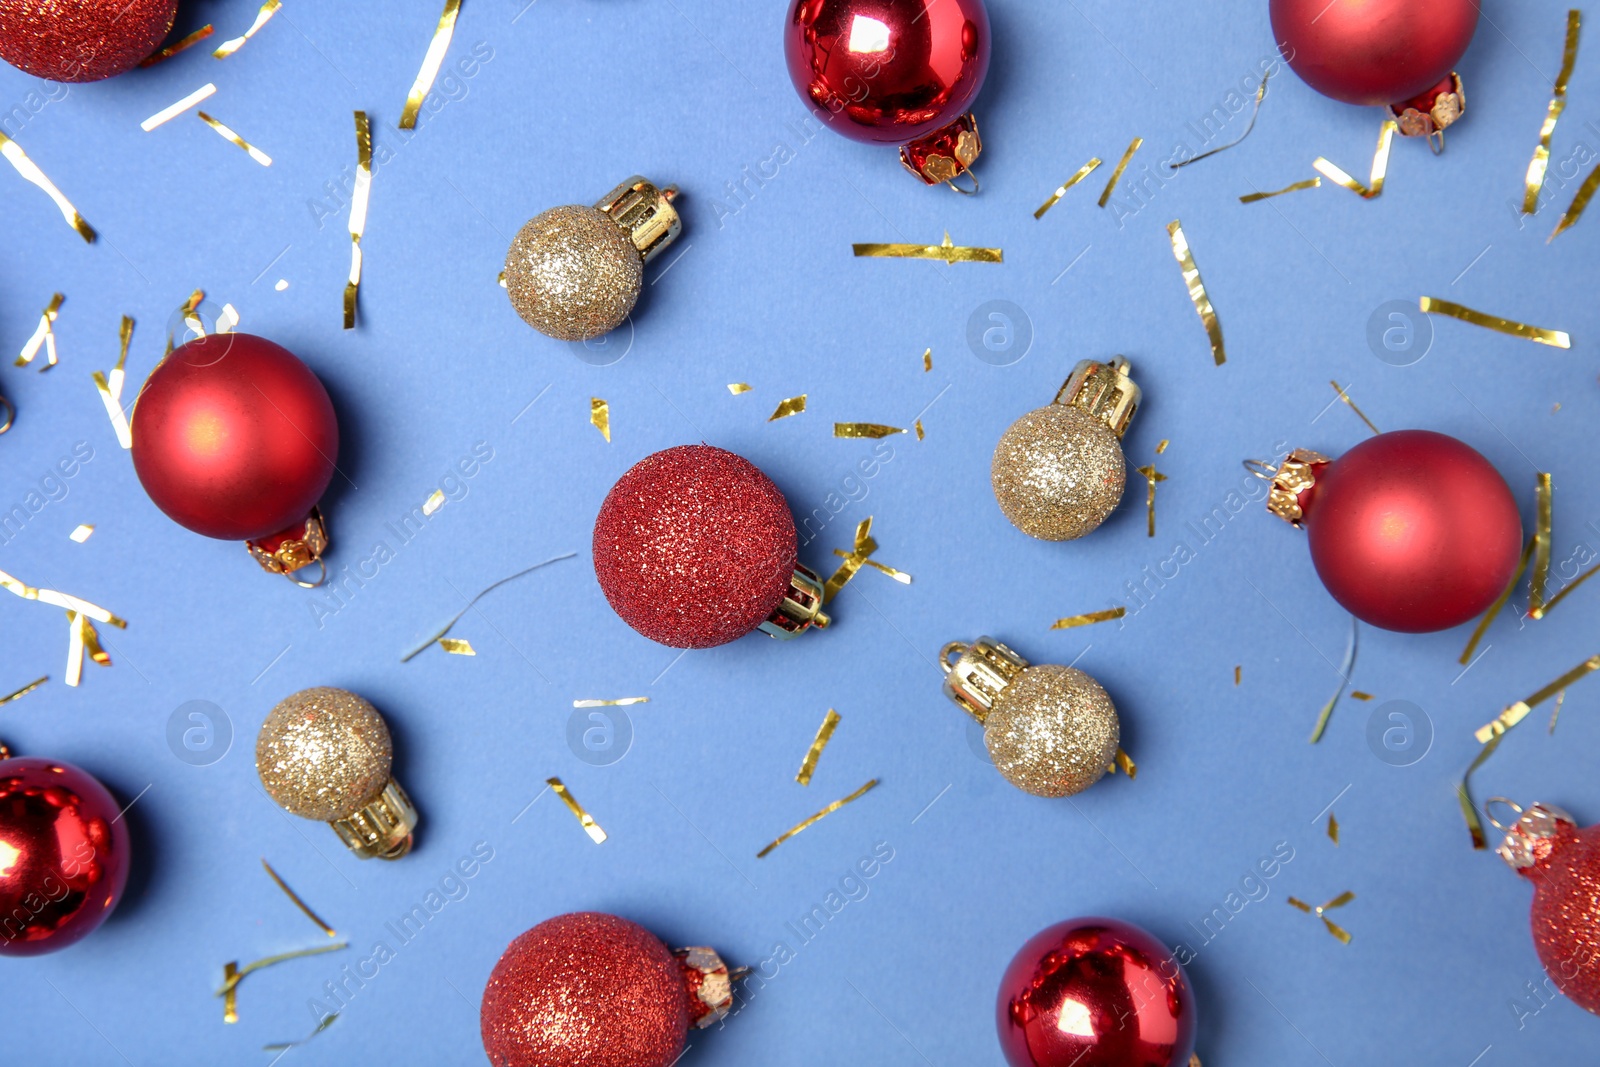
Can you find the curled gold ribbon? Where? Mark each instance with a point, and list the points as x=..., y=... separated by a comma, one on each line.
x=1534, y=183
x=818, y=817
x=1380, y=166
x=30, y=170
x=44, y=336
x=1434, y=306
x=233, y=974
x=430, y=64
x=358, y=213
x=1197, y=291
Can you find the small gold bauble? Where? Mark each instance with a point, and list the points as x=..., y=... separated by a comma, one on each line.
x=573, y=273
x=1058, y=472
x=1053, y=731
x=324, y=753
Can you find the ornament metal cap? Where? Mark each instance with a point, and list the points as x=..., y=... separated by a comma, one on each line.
x=800, y=609
x=1428, y=115
x=1104, y=390
x=284, y=553
x=646, y=212
x=383, y=829
x=980, y=673
x=945, y=154
x=709, y=983
x=1290, y=479
x=1530, y=839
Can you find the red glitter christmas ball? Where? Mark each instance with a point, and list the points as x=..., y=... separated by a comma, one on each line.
x=585, y=990
x=1373, y=51
x=235, y=438
x=63, y=855
x=82, y=40
x=694, y=547
x=1547, y=847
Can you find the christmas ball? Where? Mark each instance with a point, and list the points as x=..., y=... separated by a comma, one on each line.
x=234, y=438
x=82, y=40
x=1373, y=51
x=694, y=547
x=63, y=855
x=1095, y=993
x=1547, y=847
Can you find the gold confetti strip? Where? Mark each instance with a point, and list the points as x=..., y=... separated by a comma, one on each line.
x=358, y=212
x=1555, y=712
x=1500, y=602
x=457, y=646
x=280, y=1046
x=1434, y=306
x=25, y=690
x=228, y=320
x=1469, y=810
x=434, y=502
x=818, y=817
x=590, y=827
x=918, y=427
x=621, y=702
x=227, y=134
x=1122, y=165
x=302, y=905
x=872, y=430
x=82, y=532
x=430, y=64
x=794, y=405
x=1261, y=94
x=808, y=766
x=1061, y=190
x=1541, y=545
x=228, y=48
x=1255, y=198
x=1333, y=828
x=178, y=46
x=900, y=576
x=1337, y=902
x=600, y=416
x=1238, y=674
x=1344, y=680
x=283, y=283
x=230, y=999
x=738, y=387
x=865, y=546
x=1380, y=166
x=172, y=111
x=927, y=360
x=1124, y=763
x=1152, y=476
x=946, y=252
x=1356, y=694
x=1197, y=290
x=44, y=336
x=81, y=634
x=1558, y=103
x=1515, y=713
x=1351, y=404
x=1580, y=200
x=110, y=389
x=1162, y=447
x=1089, y=618
x=1579, y=580
x=233, y=974
x=29, y=170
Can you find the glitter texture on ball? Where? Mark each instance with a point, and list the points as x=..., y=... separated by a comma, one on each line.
x=324, y=753
x=81, y=40
x=1058, y=472
x=1053, y=731
x=573, y=273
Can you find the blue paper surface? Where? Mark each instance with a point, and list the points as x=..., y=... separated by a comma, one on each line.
x=553, y=103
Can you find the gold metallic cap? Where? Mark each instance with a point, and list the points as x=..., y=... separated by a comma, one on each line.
x=1291, y=478
x=709, y=983
x=646, y=212
x=1104, y=390
x=800, y=609
x=1445, y=109
x=1529, y=839
x=980, y=673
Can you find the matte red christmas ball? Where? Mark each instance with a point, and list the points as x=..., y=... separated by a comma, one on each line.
x=894, y=72
x=82, y=40
x=595, y=990
x=695, y=547
x=235, y=438
x=63, y=855
x=1411, y=530
x=1095, y=992
x=1547, y=847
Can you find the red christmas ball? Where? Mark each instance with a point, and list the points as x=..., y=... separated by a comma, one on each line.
x=235, y=438
x=81, y=40
x=1373, y=51
x=1412, y=531
x=695, y=547
x=1562, y=861
x=887, y=71
x=63, y=855
x=1095, y=993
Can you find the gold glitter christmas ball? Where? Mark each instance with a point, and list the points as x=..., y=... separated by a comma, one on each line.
x=1058, y=472
x=324, y=753
x=573, y=273
x=1052, y=732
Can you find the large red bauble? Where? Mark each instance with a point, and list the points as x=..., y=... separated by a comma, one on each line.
x=1413, y=531
x=694, y=547
x=81, y=40
x=235, y=438
x=585, y=990
x=1373, y=51
x=1547, y=847
x=63, y=855
x=1095, y=993
x=887, y=71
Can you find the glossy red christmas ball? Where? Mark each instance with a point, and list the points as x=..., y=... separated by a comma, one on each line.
x=1547, y=847
x=235, y=438
x=1412, y=531
x=1095, y=993
x=63, y=855
x=695, y=547
x=1373, y=51
x=82, y=40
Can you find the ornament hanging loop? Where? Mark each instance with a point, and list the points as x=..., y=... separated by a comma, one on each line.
x=956, y=647
x=321, y=578
x=1261, y=469
x=1496, y=822
x=976, y=188
x=10, y=414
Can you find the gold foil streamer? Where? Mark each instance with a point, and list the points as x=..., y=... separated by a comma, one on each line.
x=600, y=416
x=1469, y=809
x=1238, y=674
x=1152, y=476
x=227, y=134
x=233, y=974
x=1500, y=602
x=228, y=48
x=619, y=703
x=30, y=171
x=1337, y=902
x=230, y=999
x=82, y=532
x=1197, y=290
x=871, y=430
x=1254, y=198
x=1380, y=166
x=1089, y=618
x=927, y=361
x=793, y=405
x=1061, y=190
x=1558, y=103
x=818, y=817
x=178, y=46
x=1515, y=713
x=358, y=212
x=586, y=820
x=327, y=1021
x=808, y=766
x=1434, y=306
x=1261, y=94
x=917, y=426
x=302, y=905
x=738, y=387
x=430, y=64
x=946, y=252
x=110, y=388
x=457, y=646
x=44, y=336
x=417, y=649
x=1122, y=165
x=434, y=502
x=1580, y=200
x=25, y=690
x=1544, y=609
x=81, y=635
x=1541, y=546
x=1333, y=828
x=172, y=111
x=1344, y=680
x=865, y=546
x=1351, y=404
x=900, y=576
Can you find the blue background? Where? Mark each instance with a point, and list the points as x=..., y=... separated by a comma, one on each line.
x=580, y=94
